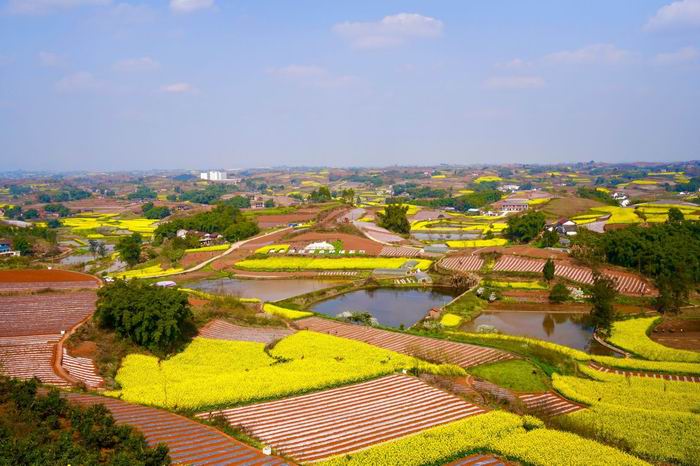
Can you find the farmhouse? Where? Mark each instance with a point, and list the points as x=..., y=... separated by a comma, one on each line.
x=512, y=205
x=564, y=227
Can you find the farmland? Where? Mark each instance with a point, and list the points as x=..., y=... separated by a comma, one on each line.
x=242, y=372
x=338, y=388
x=317, y=263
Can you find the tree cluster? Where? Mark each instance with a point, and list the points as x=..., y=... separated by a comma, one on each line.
x=223, y=219
x=150, y=316
x=46, y=429
x=143, y=192
x=524, y=228
x=154, y=212
x=394, y=218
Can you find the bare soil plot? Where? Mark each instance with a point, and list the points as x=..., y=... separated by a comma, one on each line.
x=678, y=333
x=83, y=369
x=222, y=330
x=432, y=349
x=548, y=404
x=568, y=207
x=30, y=279
x=400, y=251
x=341, y=420
x=25, y=357
x=44, y=313
x=193, y=258
x=353, y=242
x=462, y=263
x=189, y=442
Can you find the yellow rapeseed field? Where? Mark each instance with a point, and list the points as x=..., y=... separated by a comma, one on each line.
x=326, y=263
x=219, y=373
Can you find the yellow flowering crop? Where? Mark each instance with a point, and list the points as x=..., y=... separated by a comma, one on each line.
x=450, y=320
x=487, y=179
x=147, y=272
x=631, y=335
x=327, y=263
x=477, y=243
x=219, y=373
x=217, y=247
x=517, y=285
x=276, y=247
x=284, y=312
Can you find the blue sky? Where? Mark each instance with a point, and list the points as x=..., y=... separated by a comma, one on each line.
x=110, y=84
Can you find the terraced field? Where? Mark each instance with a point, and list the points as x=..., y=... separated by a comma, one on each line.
x=548, y=404
x=479, y=460
x=399, y=251
x=45, y=313
x=626, y=283
x=82, y=369
x=221, y=330
x=30, y=356
x=462, y=263
x=461, y=354
x=332, y=422
x=189, y=442
x=653, y=375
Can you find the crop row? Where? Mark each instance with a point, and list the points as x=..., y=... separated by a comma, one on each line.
x=631, y=335
x=620, y=363
x=518, y=438
x=219, y=373
x=324, y=263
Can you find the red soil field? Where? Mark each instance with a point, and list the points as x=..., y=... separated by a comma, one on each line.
x=341, y=420
x=43, y=276
x=44, y=313
x=189, y=442
x=349, y=241
x=222, y=330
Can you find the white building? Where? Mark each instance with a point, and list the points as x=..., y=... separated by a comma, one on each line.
x=214, y=175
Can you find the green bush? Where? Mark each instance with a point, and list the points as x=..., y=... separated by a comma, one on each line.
x=37, y=430
x=150, y=316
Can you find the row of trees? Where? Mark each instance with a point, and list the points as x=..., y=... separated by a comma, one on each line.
x=223, y=219
x=669, y=253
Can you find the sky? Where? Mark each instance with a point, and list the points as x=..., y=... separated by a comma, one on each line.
x=197, y=84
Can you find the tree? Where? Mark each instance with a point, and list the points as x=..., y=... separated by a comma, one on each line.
x=524, y=228
x=602, y=296
x=394, y=218
x=548, y=270
x=129, y=248
x=348, y=195
x=53, y=223
x=550, y=238
x=673, y=293
x=150, y=316
x=559, y=294
x=102, y=249
x=92, y=246
x=269, y=204
x=674, y=215
x=241, y=230
x=322, y=194
x=33, y=213
x=23, y=245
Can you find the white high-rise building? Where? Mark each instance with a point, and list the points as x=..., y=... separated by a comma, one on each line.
x=214, y=175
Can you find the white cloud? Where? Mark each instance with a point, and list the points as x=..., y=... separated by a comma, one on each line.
x=389, y=31
x=514, y=82
x=136, y=64
x=81, y=81
x=188, y=6
x=684, y=55
x=590, y=54
x=29, y=7
x=516, y=64
x=680, y=14
x=313, y=75
x=50, y=59
x=179, y=88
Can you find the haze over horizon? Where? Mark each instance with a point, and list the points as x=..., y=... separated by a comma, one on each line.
x=120, y=85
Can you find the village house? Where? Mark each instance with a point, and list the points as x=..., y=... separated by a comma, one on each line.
x=512, y=205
